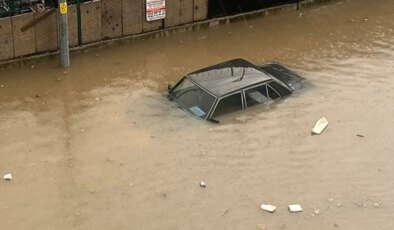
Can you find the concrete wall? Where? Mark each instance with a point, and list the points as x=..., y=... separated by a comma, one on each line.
x=101, y=20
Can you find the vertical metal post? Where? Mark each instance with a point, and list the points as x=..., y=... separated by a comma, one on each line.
x=64, y=46
x=79, y=22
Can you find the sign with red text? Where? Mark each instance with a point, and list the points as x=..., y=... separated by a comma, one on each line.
x=155, y=10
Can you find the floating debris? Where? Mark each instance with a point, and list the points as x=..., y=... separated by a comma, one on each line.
x=203, y=184
x=320, y=125
x=201, y=38
x=359, y=135
x=7, y=177
x=295, y=208
x=268, y=207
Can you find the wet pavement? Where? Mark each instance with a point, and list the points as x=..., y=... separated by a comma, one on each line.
x=100, y=146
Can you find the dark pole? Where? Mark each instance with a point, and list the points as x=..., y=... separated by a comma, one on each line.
x=64, y=49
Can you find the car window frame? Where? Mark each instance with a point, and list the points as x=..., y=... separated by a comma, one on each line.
x=225, y=96
x=208, y=116
x=280, y=96
x=251, y=87
x=259, y=85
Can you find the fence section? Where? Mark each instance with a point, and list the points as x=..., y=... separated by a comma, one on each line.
x=186, y=13
x=24, y=41
x=200, y=10
x=46, y=32
x=72, y=26
x=92, y=21
x=132, y=16
x=6, y=39
x=111, y=18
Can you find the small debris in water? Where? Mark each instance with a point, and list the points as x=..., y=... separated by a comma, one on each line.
x=201, y=38
x=65, y=72
x=320, y=125
x=295, y=208
x=359, y=204
x=7, y=177
x=366, y=19
x=82, y=130
x=376, y=205
x=251, y=27
x=32, y=66
x=268, y=207
x=2, y=86
x=98, y=99
x=359, y=135
x=316, y=211
x=203, y=184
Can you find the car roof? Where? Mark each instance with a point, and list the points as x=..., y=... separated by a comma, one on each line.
x=228, y=77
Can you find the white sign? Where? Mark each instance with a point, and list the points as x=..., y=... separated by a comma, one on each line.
x=155, y=10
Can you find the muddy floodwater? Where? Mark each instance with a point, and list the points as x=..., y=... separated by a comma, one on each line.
x=101, y=147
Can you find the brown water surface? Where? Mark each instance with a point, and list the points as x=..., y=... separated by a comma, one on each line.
x=100, y=147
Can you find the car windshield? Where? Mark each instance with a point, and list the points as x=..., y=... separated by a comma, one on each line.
x=193, y=98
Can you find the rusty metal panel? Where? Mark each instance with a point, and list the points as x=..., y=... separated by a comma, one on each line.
x=6, y=39
x=111, y=12
x=46, y=32
x=173, y=13
x=24, y=42
x=91, y=22
x=150, y=26
x=186, y=11
x=132, y=16
x=72, y=25
x=200, y=10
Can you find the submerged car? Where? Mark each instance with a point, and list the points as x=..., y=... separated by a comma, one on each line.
x=231, y=86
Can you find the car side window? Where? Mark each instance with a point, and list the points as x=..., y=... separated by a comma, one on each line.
x=255, y=96
x=272, y=94
x=228, y=104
